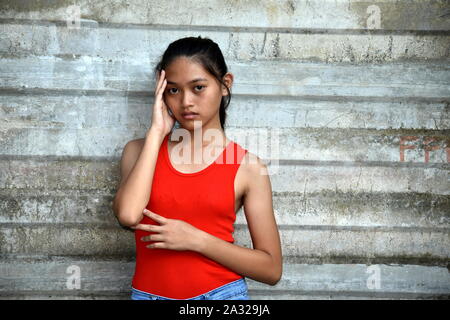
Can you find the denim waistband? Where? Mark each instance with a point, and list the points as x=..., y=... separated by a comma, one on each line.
x=240, y=284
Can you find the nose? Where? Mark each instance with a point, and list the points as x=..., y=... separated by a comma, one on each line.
x=186, y=101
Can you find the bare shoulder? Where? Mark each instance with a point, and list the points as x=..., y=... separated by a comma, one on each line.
x=137, y=142
x=130, y=154
x=253, y=164
x=134, y=145
x=131, y=151
x=255, y=170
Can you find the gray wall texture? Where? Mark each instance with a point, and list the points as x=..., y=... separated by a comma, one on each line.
x=358, y=93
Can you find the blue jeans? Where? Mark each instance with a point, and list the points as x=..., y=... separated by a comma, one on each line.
x=236, y=290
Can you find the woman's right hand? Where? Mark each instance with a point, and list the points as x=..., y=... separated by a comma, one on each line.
x=162, y=120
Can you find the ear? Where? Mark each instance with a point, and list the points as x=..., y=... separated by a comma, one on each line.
x=228, y=80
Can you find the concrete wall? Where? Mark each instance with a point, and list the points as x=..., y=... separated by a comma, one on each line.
x=360, y=106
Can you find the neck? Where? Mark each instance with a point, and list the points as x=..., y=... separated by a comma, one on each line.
x=200, y=136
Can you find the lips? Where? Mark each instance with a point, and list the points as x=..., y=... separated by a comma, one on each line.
x=189, y=115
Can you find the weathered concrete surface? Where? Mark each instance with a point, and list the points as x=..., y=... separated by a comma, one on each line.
x=24, y=276
x=363, y=119
x=323, y=243
x=285, y=14
x=302, y=144
x=93, y=76
x=308, y=177
x=140, y=44
x=321, y=208
x=22, y=109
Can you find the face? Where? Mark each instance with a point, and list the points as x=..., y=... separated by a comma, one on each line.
x=190, y=88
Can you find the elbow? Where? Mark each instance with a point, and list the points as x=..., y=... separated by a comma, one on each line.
x=275, y=279
x=276, y=274
x=274, y=270
x=125, y=219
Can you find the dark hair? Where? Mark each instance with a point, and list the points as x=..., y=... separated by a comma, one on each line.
x=205, y=52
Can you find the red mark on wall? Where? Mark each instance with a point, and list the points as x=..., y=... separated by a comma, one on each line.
x=413, y=142
x=403, y=146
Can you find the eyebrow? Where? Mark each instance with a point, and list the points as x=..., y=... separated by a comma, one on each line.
x=192, y=81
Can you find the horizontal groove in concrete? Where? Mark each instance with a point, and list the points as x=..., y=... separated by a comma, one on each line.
x=79, y=239
x=239, y=226
x=221, y=28
x=342, y=295
x=281, y=162
x=26, y=111
x=6, y=91
x=281, y=146
x=253, y=295
x=103, y=176
x=379, y=210
x=287, y=259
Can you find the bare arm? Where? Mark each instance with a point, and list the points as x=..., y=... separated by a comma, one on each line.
x=264, y=262
x=138, y=163
x=137, y=169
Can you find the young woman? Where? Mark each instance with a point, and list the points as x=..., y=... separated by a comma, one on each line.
x=184, y=243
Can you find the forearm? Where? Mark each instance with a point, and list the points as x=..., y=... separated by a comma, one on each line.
x=252, y=263
x=134, y=194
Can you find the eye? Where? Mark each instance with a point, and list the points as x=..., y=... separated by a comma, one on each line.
x=172, y=92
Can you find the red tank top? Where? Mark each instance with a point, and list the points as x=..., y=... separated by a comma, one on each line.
x=205, y=199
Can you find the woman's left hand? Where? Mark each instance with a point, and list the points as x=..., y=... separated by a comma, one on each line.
x=171, y=234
